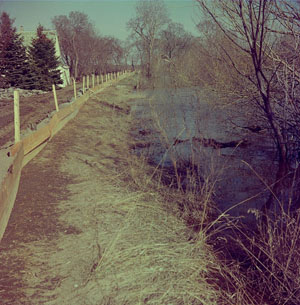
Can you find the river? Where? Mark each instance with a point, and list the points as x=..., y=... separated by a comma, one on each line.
x=185, y=125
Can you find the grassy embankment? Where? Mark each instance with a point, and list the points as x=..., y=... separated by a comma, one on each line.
x=156, y=257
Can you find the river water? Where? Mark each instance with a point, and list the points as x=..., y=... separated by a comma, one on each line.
x=241, y=174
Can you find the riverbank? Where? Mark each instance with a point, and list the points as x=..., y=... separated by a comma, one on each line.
x=193, y=142
x=92, y=224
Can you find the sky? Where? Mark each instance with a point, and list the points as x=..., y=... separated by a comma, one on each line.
x=109, y=17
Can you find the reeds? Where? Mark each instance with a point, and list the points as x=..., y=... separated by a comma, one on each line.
x=256, y=266
x=261, y=264
x=172, y=247
x=152, y=257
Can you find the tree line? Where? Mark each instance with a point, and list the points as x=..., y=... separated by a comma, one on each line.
x=155, y=38
x=83, y=50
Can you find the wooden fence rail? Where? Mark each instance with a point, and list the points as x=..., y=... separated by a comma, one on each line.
x=27, y=148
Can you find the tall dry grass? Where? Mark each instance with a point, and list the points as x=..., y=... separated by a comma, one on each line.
x=255, y=266
x=260, y=264
x=153, y=257
x=273, y=250
x=262, y=268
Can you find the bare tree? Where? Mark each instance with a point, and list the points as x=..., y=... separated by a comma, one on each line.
x=151, y=16
x=174, y=40
x=252, y=27
x=75, y=34
x=115, y=51
x=127, y=49
x=84, y=50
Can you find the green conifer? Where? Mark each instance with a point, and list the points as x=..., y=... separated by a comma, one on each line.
x=14, y=66
x=43, y=61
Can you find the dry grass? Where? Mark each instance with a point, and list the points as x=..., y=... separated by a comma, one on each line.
x=260, y=265
x=261, y=268
x=151, y=261
x=120, y=238
x=255, y=267
x=152, y=257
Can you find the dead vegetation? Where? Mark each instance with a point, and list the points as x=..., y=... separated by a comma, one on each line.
x=119, y=236
x=139, y=239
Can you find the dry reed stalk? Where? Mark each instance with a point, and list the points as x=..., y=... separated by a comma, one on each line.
x=150, y=260
x=153, y=257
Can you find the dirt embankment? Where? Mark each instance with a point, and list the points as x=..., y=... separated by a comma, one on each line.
x=33, y=109
x=89, y=227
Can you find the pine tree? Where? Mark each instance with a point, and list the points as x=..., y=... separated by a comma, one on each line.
x=14, y=66
x=43, y=61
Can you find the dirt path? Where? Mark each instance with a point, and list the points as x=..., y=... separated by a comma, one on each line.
x=82, y=232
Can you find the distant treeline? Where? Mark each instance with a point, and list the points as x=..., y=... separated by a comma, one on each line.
x=83, y=49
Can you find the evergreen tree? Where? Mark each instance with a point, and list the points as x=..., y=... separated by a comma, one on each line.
x=43, y=61
x=14, y=66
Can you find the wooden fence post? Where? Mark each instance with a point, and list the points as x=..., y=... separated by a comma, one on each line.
x=93, y=80
x=83, y=84
x=55, y=98
x=17, y=116
x=98, y=79
x=75, y=91
x=88, y=81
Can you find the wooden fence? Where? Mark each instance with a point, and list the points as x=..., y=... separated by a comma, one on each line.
x=27, y=148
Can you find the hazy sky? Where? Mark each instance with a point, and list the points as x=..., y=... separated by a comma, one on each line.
x=109, y=17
